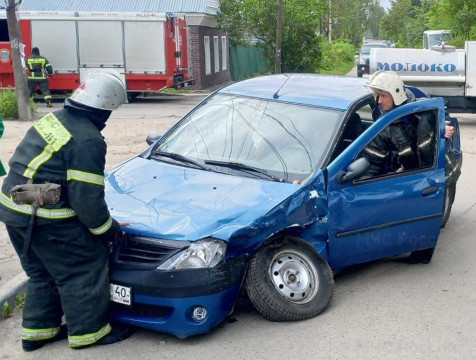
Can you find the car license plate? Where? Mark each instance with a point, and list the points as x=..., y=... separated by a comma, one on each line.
x=120, y=294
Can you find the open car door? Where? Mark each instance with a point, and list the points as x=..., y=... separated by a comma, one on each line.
x=392, y=213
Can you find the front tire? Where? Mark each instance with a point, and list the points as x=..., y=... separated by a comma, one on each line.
x=289, y=281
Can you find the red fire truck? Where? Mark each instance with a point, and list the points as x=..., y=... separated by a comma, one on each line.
x=147, y=50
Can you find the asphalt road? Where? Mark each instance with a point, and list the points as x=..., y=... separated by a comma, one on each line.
x=380, y=310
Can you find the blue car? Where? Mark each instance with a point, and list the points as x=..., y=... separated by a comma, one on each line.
x=263, y=187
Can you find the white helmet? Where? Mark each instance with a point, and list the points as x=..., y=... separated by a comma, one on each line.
x=388, y=81
x=100, y=90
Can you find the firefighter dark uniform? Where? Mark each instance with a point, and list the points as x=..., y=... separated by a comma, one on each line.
x=38, y=68
x=406, y=144
x=2, y=169
x=67, y=262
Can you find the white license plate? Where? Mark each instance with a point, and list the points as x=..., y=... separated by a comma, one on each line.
x=120, y=294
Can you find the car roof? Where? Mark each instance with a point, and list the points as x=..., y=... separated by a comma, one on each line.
x=330, y=91
x=375, y=44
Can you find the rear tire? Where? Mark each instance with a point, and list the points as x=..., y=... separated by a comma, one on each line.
x=450, y=193
x=289, y=281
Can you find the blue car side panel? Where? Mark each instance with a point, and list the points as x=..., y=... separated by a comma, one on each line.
x=304, y=214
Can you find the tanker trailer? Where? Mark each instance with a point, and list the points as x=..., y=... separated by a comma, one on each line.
x=446, y=72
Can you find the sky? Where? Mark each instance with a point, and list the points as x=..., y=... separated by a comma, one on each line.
x=385, y=4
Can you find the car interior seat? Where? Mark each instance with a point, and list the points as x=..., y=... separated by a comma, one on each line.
x=351, y=131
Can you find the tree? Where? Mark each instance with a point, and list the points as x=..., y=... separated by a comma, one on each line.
x=405, y=22
x=245, y=20
x=456, y=15
x=354, y=19
x=24, y=111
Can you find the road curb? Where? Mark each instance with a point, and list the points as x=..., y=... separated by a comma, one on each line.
x=12, y=288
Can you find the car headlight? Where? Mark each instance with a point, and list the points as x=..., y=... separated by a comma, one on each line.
x=204, y=253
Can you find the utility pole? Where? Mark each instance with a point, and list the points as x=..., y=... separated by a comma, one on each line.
x=279, y=36
x=21, y=85
x=330, y=20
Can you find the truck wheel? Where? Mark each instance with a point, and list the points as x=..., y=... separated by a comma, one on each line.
x=449, y=199
x=289, y=282
x=131, y=95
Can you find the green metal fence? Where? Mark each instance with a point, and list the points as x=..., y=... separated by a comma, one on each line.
x=246, y=61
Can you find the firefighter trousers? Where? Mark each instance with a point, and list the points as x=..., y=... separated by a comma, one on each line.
x=44, y=87
x=68, y=271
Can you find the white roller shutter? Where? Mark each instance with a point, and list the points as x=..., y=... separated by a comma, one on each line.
x=57, y=42
x=100, y=44
x=145, y=46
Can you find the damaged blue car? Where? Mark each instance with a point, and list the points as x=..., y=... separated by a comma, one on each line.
x=263, y=187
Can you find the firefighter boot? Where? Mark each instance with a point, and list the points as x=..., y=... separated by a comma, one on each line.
x=118, y=333
x=32, y=345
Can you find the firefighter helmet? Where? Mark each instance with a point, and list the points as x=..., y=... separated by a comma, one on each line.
x=100, y=90
x=390, y=82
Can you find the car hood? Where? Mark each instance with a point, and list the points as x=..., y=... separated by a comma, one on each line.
x=173, y=202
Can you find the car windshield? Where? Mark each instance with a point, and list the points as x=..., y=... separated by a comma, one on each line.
x=253, y=137
x=437, y=39
x=366, y=48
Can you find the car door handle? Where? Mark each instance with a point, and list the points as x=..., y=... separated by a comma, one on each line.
x=429, y=190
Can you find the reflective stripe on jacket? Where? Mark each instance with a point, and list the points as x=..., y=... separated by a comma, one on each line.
x=38, y=67
x=65, y=148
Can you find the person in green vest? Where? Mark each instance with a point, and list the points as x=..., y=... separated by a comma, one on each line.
x=38, y=70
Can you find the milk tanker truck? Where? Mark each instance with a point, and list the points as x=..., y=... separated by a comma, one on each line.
x=439, y=71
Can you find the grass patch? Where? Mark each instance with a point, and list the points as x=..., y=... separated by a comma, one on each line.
x=8, y=309
x=9, y=104
x=173, y=91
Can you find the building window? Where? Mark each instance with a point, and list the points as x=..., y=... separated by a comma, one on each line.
x=216, y=54
x=224, y=52
x=208, y=65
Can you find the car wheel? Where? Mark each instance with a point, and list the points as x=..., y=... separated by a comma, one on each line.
x=289, y=282
x=359, y=74
x=449, y=199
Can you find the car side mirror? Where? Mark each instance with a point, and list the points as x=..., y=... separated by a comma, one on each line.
x=357, y=53
x=152, y=138
x=354, y=171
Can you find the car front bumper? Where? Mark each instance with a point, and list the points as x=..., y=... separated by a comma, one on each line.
x=164, y=300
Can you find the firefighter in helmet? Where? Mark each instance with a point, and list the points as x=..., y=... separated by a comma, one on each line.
x=67, y=262
x=407, y=143
x=38, y=69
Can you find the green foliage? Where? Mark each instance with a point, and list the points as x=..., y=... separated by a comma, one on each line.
x=305, y=27
x=338, y=57
x=405, y=22
x=355, y=19
x=8, y=310
x=407, y=19
x=456, y=15
x=256, y=19
x=9, y=104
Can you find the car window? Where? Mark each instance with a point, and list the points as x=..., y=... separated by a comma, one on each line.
x=366, y=48
x=407, y=144
x=287, y=140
